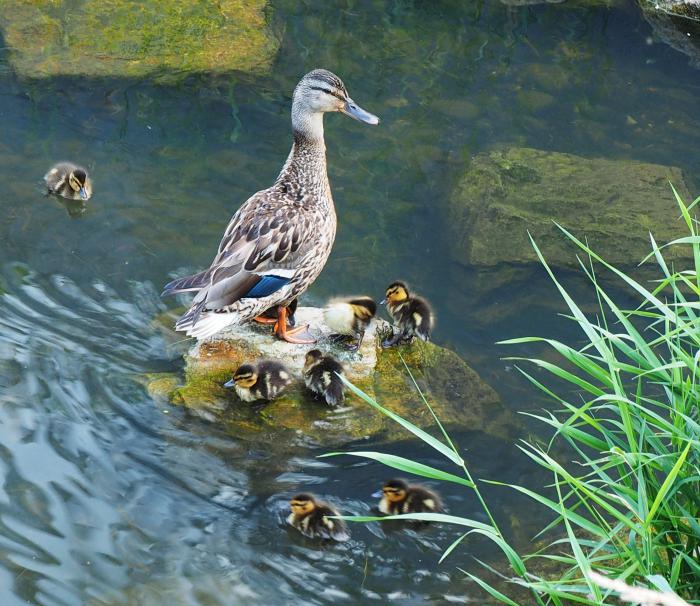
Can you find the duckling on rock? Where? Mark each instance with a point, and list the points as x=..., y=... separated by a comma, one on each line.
x=264, y=380
x=349, y=319
x=399, y=497
x=310, y=516
x=411, y=314
x=68, y=180
x=321, y=376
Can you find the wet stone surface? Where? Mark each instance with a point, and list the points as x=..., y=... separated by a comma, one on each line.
x=506, y=194
x=122, y=38
x=455, y=391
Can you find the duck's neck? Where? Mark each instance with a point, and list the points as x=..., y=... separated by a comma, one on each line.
x=306, y=163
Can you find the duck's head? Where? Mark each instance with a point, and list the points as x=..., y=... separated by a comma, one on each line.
x=395, y=293
x=321, y=91
x=245, y=376
x=77, y=180
x=302, y=504
x=312, y=358
x=395, y=490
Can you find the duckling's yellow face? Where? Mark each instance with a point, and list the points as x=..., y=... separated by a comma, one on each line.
x=302, y=507
x=396, y=293
x=394, y=494
x=245, y=378
x=77, y=180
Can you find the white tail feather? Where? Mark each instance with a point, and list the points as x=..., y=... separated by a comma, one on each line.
x=208, y=324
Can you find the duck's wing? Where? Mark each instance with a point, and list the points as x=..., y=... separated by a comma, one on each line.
x=257, y=254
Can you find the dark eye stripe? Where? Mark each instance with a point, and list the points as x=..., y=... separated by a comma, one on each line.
x=327, y=91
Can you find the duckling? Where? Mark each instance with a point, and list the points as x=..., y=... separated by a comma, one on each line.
x=264, y=380
x=349, y=318
x=412, y=315
x=400, y=497
x=321, y=378
x=68, y=181
x=310, y=516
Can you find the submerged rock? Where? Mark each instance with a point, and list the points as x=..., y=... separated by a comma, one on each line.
x=676, y=23
x=506, y=194
x=127, y=38
x=454, y=390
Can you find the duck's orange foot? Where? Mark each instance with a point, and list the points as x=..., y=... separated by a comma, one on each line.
x=299, y=336
x=265, y=320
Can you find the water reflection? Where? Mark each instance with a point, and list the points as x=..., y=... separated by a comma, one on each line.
x=109, y=497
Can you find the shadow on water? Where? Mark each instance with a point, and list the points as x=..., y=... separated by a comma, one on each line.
x=109, y=497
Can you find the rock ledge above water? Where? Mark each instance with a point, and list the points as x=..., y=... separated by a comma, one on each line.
x=457, y=394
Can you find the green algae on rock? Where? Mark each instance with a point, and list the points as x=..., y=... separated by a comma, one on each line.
x=455, y=391
x=506, y=194
x=127, y=38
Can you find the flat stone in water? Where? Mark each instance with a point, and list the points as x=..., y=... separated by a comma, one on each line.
x=505, y=195
x=162, y=39
x=456, y=393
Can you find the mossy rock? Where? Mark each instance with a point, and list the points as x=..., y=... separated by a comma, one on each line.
x=504, y=195
x=162, y=39
x=456, y=393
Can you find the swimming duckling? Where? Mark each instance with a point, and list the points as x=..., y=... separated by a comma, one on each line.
x=264, y=380
x=400, y=497
x=68, y=181
x=310, y=516
x=349, y=318
x=321, y=378
x=411, y=314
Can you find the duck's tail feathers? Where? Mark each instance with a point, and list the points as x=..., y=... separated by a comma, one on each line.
x=206, y=324
x=188, y=283
x=335, y=393
x=190, y=317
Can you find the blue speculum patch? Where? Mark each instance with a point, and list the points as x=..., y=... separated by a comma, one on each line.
x=266, y=286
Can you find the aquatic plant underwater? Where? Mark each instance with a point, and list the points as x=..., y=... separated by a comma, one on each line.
x=626, y=497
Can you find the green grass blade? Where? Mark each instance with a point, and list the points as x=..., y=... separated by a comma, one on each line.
x=403, y=464
x=416, y=431
x=670, y=478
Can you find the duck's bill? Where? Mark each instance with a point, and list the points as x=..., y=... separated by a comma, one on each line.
x=353, y=110
x=382, y=302
x=83, y=193
x=377, y=495
x=230, y=383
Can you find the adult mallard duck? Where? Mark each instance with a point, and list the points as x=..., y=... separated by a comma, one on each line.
x=278, y=242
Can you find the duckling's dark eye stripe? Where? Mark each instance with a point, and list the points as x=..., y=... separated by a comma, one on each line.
x=327, y=91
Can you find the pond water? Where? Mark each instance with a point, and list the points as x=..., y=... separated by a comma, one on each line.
x=111, y=498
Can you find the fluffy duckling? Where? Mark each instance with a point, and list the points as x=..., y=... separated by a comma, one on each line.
x=321, y=378
x=310, y=516
x=349, y=318
x=68, y=181
x=400, y=497
x=264, y=380
x=411, y=314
